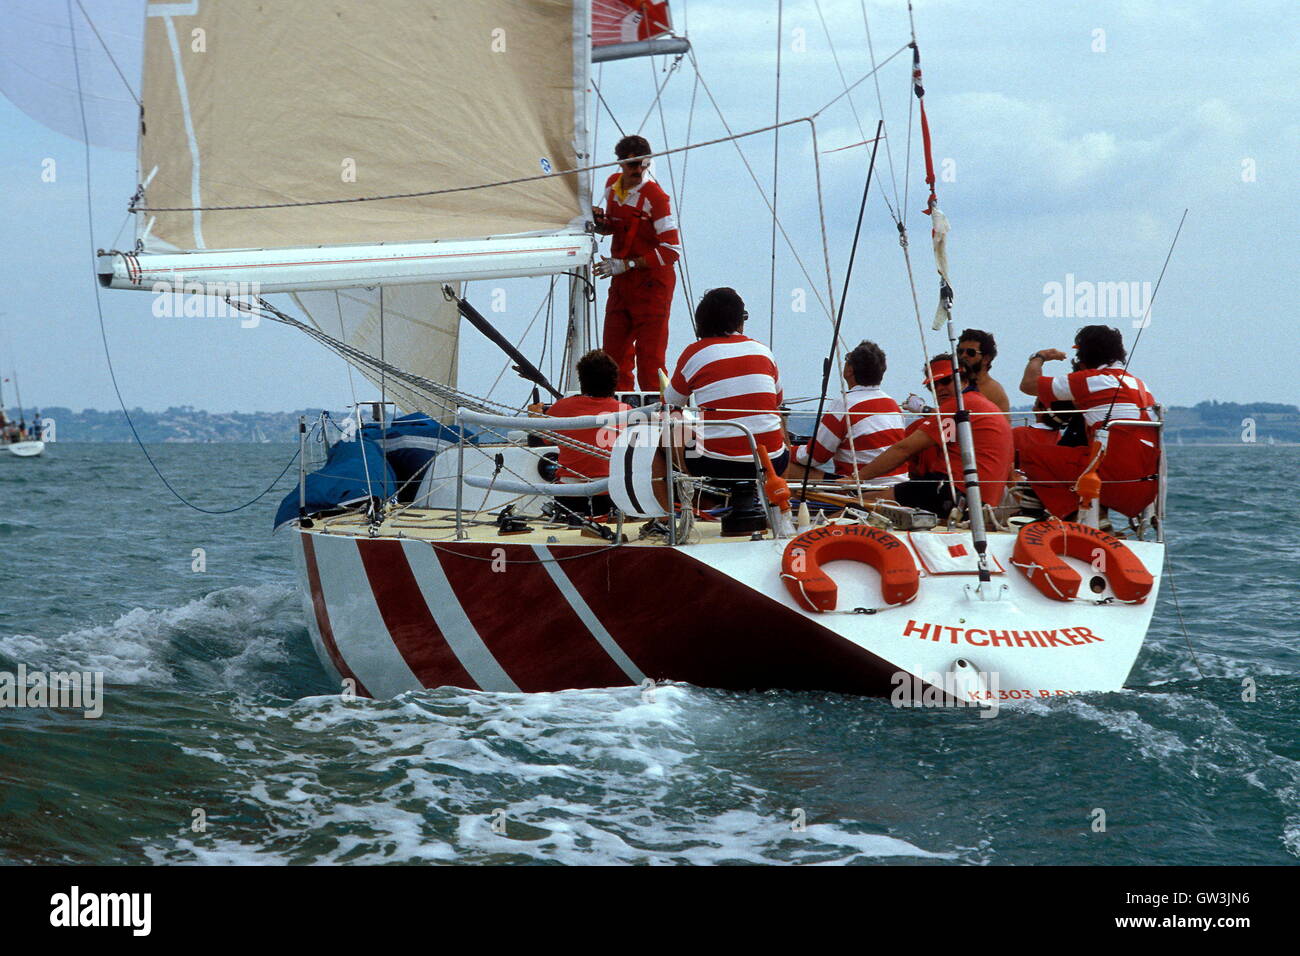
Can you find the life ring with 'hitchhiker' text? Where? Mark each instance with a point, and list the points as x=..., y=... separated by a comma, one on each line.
x=813, y=589
x=1039, y=548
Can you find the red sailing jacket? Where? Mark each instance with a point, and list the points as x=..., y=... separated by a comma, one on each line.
x=643, y=223
x=1096, y=391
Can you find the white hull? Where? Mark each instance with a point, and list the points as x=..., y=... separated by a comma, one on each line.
x=400, y=613
x=26, y=449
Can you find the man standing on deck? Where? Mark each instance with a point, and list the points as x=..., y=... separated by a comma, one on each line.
x=976, y=350
x=645, y=247
x=1102, y=391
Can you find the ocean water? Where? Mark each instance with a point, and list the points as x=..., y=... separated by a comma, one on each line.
x=216, y=711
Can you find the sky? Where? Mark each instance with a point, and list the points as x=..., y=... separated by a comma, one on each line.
x=1069, y=138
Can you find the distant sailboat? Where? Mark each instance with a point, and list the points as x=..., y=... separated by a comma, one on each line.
x=17, y=437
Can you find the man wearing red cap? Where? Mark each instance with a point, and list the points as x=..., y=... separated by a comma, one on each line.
x=645, y=246
x=1102, y=390
x=937, y=435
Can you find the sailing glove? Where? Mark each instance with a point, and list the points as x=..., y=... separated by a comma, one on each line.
x=607, y=268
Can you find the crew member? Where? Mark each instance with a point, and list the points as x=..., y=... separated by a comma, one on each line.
x=733, y=379
x=930, y=490
x=1045, y=430
x=976, y=350
x=1103, y=391
x=644, y=248
x=597, y=376
x=872, y=423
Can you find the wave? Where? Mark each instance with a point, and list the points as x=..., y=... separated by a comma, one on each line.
x=250, y=639
x=576, y=777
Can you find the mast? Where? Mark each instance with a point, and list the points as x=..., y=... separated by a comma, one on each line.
x=943, y=316
x=578, y=340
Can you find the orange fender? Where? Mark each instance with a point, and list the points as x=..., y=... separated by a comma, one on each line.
x=813, y=589
x=1039, y=545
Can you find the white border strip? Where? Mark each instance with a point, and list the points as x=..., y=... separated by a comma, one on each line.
x=587, y=615
x=453, y=622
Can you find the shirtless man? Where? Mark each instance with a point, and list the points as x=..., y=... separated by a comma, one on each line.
x=976, y=351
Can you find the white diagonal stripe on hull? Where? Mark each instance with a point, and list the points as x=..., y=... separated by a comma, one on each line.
x=359, y=630
x=453, y=622
x=587, y=615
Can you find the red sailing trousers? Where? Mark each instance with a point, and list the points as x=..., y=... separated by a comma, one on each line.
x=636, y=325
x=1126, y=474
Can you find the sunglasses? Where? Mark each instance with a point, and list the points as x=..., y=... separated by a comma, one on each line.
x=942, y=381
x=971, y=352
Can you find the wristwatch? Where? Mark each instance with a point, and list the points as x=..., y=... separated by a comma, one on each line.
x=1037, y=356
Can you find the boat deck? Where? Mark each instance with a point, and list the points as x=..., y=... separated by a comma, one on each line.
x=437, y=524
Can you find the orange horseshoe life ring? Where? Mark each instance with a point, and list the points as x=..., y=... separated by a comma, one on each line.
x=1037, y=555
x=813, y=588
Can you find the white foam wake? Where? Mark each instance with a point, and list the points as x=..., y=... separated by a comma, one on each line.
x=221, y=637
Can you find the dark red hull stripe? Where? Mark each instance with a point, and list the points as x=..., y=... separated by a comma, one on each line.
x=682, y=620
x=525, y=621
x=323, y=617
x=407, y=616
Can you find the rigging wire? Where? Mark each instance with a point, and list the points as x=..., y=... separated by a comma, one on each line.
x=1146, y=314
x=1187, y=638
x=680, y=266
x=600, y=96
x=109, y=54
x=506, y=367
x=776, y=160
x=103, y=330
x=683, y=262
x=839, y=317
x=829, y=309
x=844, y=82
x=659, y=88
x=880, y=105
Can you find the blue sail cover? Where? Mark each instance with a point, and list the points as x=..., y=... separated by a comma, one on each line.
x=409, y=444
x=353, y=472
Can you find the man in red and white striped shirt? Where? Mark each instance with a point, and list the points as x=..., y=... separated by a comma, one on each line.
x=645, y=247
x=733, y=379
x=1103, y=391
x=873, y=422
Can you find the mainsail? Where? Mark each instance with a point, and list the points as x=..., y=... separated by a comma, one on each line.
x=350, y=153
x=290, y=111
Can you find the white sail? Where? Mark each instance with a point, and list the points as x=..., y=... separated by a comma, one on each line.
x=417, y=329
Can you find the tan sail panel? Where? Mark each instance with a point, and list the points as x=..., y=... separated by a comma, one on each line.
x=419, y=333
x=248, y=102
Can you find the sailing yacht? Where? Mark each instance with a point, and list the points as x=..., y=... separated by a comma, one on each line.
x=17, y=438
x=369, y=161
